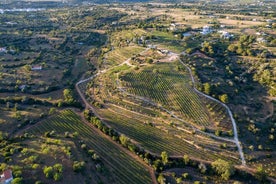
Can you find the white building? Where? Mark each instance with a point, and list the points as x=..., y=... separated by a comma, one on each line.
x=226, y=35
x=34, y=68
x=3, y=49
x=206, y=30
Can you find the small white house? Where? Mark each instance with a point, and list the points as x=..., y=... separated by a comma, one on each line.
x=226, y=35
x=34, y=68
x=173, y=27
x=3, y=50
x=206, y=30
x=6, y=177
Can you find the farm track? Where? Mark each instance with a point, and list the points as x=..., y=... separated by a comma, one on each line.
x=236, y=138
x=127, y=62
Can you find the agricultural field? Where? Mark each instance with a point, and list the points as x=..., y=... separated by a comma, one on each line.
x=169, y=85
x=135, y=112
x=104, y=160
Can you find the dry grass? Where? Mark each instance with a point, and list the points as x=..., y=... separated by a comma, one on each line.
x=240, y=23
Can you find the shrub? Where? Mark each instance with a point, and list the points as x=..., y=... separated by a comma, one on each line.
x=78, y=166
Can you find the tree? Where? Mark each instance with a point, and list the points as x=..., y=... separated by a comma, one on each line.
x=3, y=136
x=202, y=167
x=157, y=165
x=207, y=88
x=260, y=174
x=149, y=60
x=164, y=156
x=58, y=168
x=67, y=93
x=48, y=171
x=232, y=48
x=78, y=166
x=17, y=181
x=52, y=110
x=186, y=159
x=124, y=140
x=223, y=168
x=224, y=98
x=179, y=180
x=57, y=176
x=161, y=179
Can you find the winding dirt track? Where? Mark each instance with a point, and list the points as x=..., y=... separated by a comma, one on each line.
x=236, y=138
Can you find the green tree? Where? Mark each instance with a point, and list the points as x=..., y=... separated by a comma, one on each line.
x=224, y=98
x=48, y=171
x=223, y=168
x=124, y=140
x=202, y=167
x=164, y=156
x=157, y=165
x=186, y=159
x=78, y=166
x=178, y=180
x=260, y=173
x=207, y=88
x=68, y=96
x=161, y=179
x=17, y=181
x=3, y=136
x=57, y=176
x=52, y=110
x=58, y=168
x=232, y=48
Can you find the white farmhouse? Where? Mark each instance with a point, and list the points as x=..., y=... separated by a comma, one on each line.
x=206, y=30
x=3, y=50
x=226, y=35
x=36, y=67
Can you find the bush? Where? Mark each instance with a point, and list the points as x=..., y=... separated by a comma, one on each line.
x=48, y=171
x=57, y=176
x=223, y=168
x=78, y=166
x=17, y=181
x=186, y=175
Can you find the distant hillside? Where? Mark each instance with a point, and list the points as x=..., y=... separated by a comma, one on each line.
x=134, y=1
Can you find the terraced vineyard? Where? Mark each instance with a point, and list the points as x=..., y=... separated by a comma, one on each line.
x=169, y=85
x=119, y=55
x=122, y=167
x=155, y=140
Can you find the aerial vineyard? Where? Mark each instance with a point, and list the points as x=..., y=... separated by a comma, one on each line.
x=140, y=103
x=156, y=140
x=119, y=55
x=121, y=165
x=170, y=86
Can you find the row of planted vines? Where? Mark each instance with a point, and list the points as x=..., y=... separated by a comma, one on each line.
x=169, y=85
x=120, y=165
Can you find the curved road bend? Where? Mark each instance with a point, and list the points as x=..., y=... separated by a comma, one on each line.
x=236, y=139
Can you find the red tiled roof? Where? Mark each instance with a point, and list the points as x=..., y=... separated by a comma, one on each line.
x=7, y=174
